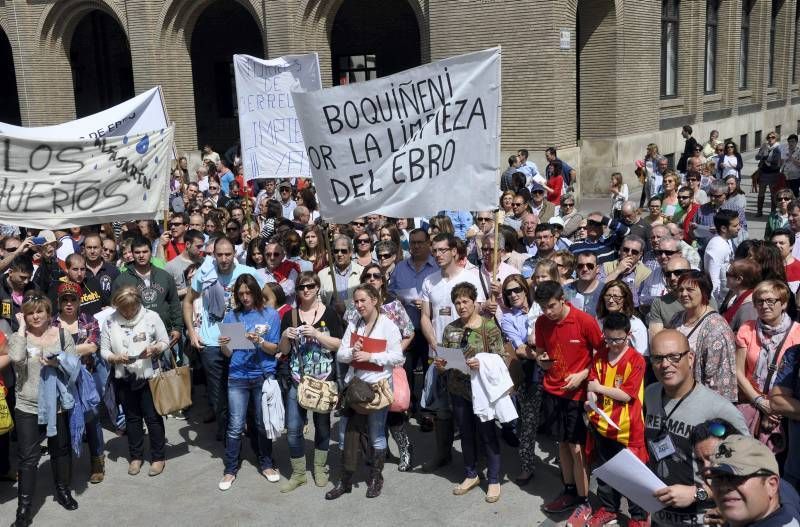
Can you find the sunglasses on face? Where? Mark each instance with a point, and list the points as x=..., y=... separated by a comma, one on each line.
x=373, y=276
x=176, y=224
x=481, y=220
x=357, y=223
x=341, y=251
x=675, y=272
x=362, y=241
x=514, y=290
x=589, y=266
x=784, y=199
x=385, y=256
x=568, y=205
x=628, y=250
x=664, y=252
x=213, y=188
x=306, y=287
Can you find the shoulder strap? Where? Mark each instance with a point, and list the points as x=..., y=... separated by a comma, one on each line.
x=774, y=366
x=699, y=322
x=294, y=317
x=294, y=344
x=61, y=337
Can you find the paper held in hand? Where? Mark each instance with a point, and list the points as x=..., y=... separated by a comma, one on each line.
x=236, y=332
x=454, y=357
x=630, y=477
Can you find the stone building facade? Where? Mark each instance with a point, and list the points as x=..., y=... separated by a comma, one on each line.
x=599, y=79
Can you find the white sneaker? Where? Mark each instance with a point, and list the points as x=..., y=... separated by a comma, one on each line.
x=272, y=475
x=226, y=484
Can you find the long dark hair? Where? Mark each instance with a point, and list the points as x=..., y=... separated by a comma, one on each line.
x=251, y=284
x=384, y=291
x=253, y=246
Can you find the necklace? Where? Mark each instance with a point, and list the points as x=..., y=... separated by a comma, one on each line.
x=696, y=318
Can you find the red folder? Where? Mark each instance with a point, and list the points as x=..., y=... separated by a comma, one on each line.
x=370, y=346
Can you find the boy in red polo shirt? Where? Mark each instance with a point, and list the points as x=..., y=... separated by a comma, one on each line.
x=566, y=338
x=616, y=386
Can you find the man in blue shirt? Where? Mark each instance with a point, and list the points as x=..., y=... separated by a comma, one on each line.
x=214, y=281
x=604, y=247
x=527, y=167
x=462, y=221
x=225, y=176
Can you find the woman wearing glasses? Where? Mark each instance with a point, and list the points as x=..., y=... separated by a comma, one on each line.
x=310, y=343
x=779, y=219
x=730, y=163
x=709, y=335
x=760, y=344
x=363, y=249
x=769, y=171
x=616, y=297
x=386, y=254
x=393, y=309
x=517, y=325
x=506, y=204
x=35, y=350
x=571, y=217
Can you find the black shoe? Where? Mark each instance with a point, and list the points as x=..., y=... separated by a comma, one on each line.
x=345, y=486
x=65, y=499
x=375, y=483
x=24, y=511
x=210, y=417
x=510, y=438
x=524, y=479
x=425, y=424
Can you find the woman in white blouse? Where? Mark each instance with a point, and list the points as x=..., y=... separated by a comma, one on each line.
x=371, y=368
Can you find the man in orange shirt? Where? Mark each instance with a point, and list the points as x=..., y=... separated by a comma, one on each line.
x=616, y=386
x=566, y=338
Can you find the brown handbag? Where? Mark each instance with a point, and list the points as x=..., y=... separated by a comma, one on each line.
x=171, y=389
x=312, y=393
x=382, y=398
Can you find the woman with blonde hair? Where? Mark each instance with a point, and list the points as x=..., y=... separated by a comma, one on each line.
x=129, y=339
x=670, y=206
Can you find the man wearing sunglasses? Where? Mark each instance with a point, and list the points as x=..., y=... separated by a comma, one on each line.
x=655, y=285
x=596, y=242
x=629, y=267
x=674, y=406
x=744, y=478
x=171, y=243
x=584, y=293
x=662, y=309
x=347, y=274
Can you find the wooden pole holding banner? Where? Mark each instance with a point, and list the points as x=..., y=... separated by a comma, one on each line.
x=496, y=244
x=329, y=251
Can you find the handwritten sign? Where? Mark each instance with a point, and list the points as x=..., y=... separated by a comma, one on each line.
x=52, y=184
x=143, y=113
x=409, y=144
x=272, y=145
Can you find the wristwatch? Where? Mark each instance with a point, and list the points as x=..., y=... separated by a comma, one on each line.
x=700, y=495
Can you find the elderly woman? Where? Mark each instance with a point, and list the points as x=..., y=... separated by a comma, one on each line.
x=570, y=215
x=371, y=367
x=517, y=325
x=473, y=334
x=37, y=350
x=129, y=339
x=779, y=219
x=709, y=335
x=742, y=277
x=386, y=255
x=616, y=297
x=760, y=345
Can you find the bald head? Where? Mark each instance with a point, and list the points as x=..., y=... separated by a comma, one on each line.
x=669, y=341
x=673, y=362
x=629, y=207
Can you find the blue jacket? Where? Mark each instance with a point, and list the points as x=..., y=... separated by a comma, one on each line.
x=84, y=393
x=53, y=388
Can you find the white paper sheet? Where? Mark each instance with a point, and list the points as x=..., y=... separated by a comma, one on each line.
x=602, y=414
x=236, y=332
x=454, y=357
x=630, y=477
x=103, y=315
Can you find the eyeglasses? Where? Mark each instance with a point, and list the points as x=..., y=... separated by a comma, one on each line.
x=363, y=241
x=212, y=188
x=514, y=290
x=517, y=204
x=176, y=224
x=692, y=179
x=784, y=199
x=771, y=137
x=628, y=250
x=717, y=195
x=341, y=251
x=665, y=252
x=357, y=223
x=373, y=276
x=385, y=256
x=10, y=249
x=306, y=287
x=615, y=298
x=672, y=358
x=615, y=340
x=568, y=205
x=589, y=266
x=769, y=302
x=482, y=219
x=676, y=272
x=486, y=249
x=231, y=228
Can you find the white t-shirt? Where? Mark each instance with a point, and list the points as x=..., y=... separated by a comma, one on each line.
x=436, y=291
x=716, y=260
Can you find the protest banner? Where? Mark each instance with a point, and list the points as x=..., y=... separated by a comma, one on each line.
x=52, y=184
x=409, y=144
x=143, y=113
x=272, y=145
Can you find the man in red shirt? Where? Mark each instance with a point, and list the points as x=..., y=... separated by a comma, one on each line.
x=171, y=243
x=566, y=338
x=616, y=386
x=784, y=240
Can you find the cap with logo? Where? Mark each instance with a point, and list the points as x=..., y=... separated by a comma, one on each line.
x=69, y=289
x=743, y=456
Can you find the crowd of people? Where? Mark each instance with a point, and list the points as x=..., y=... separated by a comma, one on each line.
x=659, y=327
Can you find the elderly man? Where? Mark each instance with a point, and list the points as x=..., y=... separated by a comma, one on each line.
x=540, y=206
x=657, y=233
x=491, y=288
x=632, y=218
x=603, y=246
x=674, y=406
x=527, y=242
x=687, y=251
x=629, y=268
x=655, y=285
x=347, y=274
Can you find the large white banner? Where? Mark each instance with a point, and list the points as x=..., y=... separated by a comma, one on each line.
x=272, y=145
x=143, y=113
x=51, y=184
x=410, y=144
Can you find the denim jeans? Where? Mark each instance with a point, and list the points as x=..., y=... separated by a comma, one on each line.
x=376, y=424
x=472, y=429
x=295, y=423
x=241, y=394
x=216, y=366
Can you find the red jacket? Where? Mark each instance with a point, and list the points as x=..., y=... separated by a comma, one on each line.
x=687, y=222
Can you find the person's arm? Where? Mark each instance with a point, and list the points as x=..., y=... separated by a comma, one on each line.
x=17, y=351
x=608, y=391
x=24, y=246
x=713, y=267
x=268, y=342
x=345, y=352
x=427, y=326
x=784, y=403
x=175, y=312
x=188, y=318
x=745, y=386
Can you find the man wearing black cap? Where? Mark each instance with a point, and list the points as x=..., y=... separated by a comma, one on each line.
x=744, y=480
x=287, y=203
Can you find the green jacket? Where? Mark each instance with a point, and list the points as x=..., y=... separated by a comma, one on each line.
x=160, y=296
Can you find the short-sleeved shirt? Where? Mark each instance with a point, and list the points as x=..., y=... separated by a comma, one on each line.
x=627, y=375
x=317, y=361
x=254, y=362
x=436, y=291
x=569, y=343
